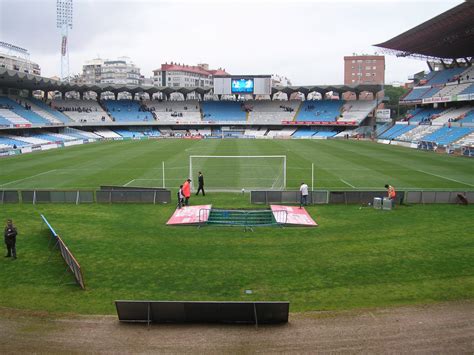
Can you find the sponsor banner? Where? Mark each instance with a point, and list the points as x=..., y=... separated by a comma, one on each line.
x=320, y=123
x=383, y=141
x=35, y=148
x=429, y=100
x=70, y=143
x=464, y=97
x=48, y=146
x=23, y=125
x=26, y=150
x=190, y=215
x=382, y=114
x=294, y=216
x=5, y=153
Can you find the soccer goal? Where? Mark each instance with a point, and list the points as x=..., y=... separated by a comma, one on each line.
x=237, y=172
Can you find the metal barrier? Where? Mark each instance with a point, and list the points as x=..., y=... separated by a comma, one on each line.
x=243, y=218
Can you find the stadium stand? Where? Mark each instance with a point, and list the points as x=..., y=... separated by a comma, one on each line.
x=320, y=110
x=128, y=111
x=256, y=132
x=416, y=134
x=450, y=115
x=77, y=133
x=468, y=117
x=175, y=111
x=468, y=90
x=444, y=76
x=304, y=133
x=395, y=131
x=81, y=110
x=8, y=141
x=16, y=113
x=466, y=141
x=127, y=133
x=357, y=110
x=268, y=112
x=451, y=89
x=280, y=133
x=223, y=111
x=416, y=94
x=107, y=133
x=447, y=135
x=423, y=114
x=29, y=140
x=431, y=92
x=47, y=111
x=43, y=110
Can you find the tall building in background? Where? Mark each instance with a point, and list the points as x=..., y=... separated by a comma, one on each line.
x=16, y=58
x=105, y=71
x=182, y=75
x=364, y=69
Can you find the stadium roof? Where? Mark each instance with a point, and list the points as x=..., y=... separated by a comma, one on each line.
x=449, y=35
x=11, y=79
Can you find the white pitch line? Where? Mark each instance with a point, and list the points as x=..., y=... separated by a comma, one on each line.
x=128, y=183
x=28, y=177
x=345, y=182
x=446, y=178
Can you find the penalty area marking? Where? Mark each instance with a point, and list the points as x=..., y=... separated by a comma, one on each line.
x=446, y=178
x=28, y=177
x=128, y=183
x=345, y=182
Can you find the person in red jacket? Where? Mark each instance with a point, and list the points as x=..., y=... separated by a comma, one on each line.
x=187, y=191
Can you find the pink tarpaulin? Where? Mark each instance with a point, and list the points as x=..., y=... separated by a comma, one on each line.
x=190, y=215
x=295, y=216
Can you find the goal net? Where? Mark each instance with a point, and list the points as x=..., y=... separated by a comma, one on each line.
x=234, y=173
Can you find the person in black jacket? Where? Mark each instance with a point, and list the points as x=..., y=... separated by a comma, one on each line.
x=201, y=184
x=10, y=239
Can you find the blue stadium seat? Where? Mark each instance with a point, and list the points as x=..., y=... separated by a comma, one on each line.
x=423, y=114
x=21, y=111
x=127, y=111
x=443, y=76
x=320, y=110
x=303, y=132
x=468, y=90
x=223, y=111
x=468, y=118
x=395, y=131
x=447, y=135
x=59, y=115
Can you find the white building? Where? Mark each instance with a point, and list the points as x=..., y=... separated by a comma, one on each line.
x=104, y=71
x=182, y=75
x=18, y=59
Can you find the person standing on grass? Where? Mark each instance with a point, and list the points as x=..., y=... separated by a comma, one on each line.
x=10, y=239
x=391, y=193
x=187, y=191
x=201, y=184
x=180, y=197
x=304, y=194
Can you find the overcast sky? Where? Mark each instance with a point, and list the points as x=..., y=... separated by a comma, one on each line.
x=302, y=40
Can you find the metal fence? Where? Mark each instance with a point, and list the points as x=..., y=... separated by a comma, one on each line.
x=80, y=196
x=357, y=197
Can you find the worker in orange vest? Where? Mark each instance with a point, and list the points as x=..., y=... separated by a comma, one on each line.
x=392, y=195
x=187, y=191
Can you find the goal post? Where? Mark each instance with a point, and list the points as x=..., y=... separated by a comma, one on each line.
x=237, y=172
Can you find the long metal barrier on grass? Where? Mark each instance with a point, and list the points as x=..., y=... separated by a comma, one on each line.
x=242, y=218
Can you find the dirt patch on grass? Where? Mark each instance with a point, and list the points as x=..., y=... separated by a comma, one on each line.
x=447, y=327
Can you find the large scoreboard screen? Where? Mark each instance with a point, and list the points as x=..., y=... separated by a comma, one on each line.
x=243, y=85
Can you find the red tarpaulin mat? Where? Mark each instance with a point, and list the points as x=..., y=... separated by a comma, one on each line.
x=295, y=216
x=190, y=215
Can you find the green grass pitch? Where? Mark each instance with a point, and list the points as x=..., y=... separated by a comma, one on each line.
x=356, y=258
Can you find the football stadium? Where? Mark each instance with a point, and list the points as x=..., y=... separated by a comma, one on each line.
x=241, y=214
